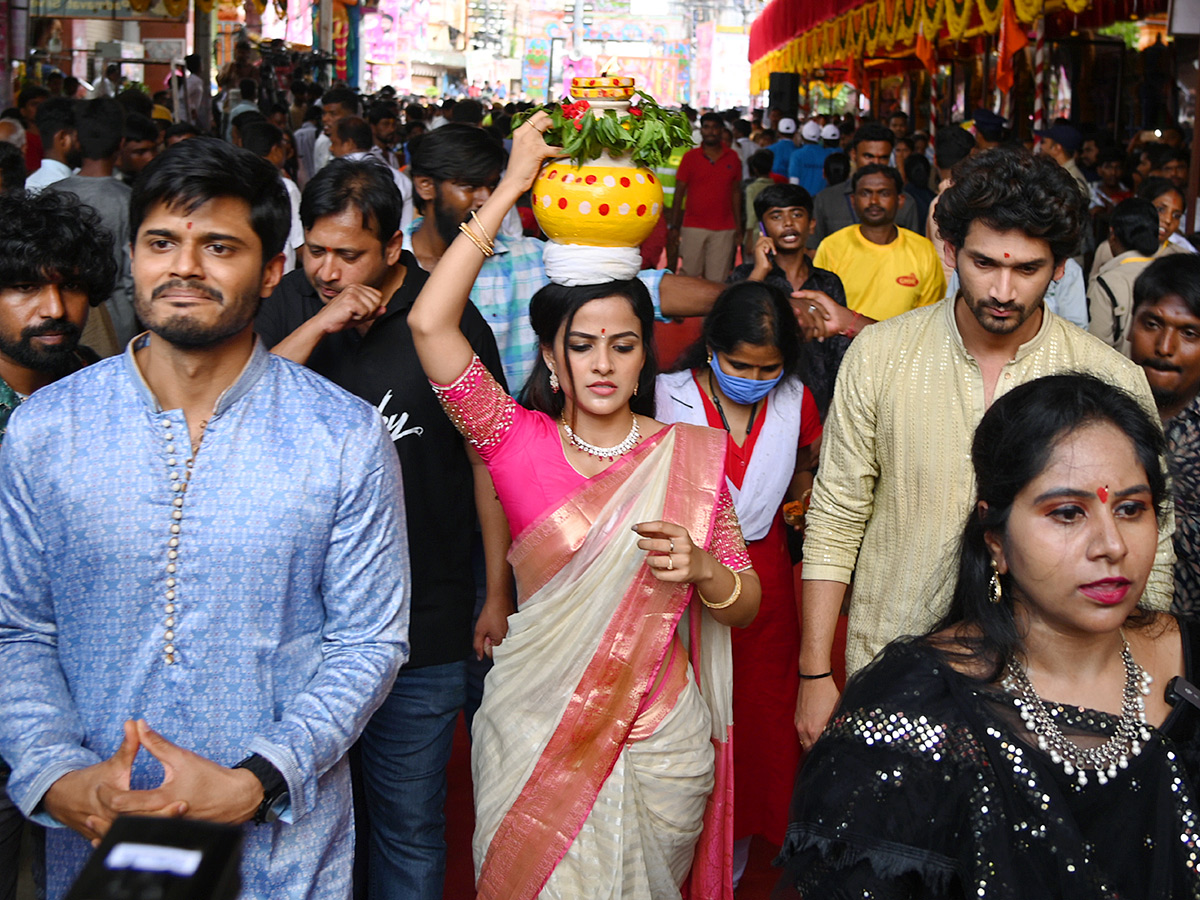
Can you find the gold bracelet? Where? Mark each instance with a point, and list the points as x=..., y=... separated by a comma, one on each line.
x=485, y=249
x=737, y=592
x=475, y=219
x=482, y=247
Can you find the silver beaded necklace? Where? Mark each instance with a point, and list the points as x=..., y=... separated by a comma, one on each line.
x=1105, y=759
x=179, y=486
x=620, y=449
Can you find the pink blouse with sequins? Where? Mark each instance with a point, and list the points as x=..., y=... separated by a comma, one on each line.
x=524, y=454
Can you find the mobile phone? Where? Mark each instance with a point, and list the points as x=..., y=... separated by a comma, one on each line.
x=763, y=229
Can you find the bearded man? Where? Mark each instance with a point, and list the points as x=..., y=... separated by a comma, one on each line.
x=202, y=557
x=895, y=484
x=55, y=261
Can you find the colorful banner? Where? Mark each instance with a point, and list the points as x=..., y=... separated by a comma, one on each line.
x=535, y=69
x=145, y=10
x=294, y=25
x=386, y=46
x=720, y=70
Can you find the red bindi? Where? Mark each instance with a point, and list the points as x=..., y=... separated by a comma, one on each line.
x=1006, y=256
x=1102, y=493
x=602, y=332
x=189, y=226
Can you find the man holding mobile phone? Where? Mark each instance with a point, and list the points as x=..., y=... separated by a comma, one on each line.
x=785, y=221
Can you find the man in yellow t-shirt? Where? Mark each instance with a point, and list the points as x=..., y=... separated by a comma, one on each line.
x=886, y=270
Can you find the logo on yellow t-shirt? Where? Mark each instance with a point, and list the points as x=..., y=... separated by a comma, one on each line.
x=910, y=280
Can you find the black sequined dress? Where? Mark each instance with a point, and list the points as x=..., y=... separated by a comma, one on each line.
x=927, y=785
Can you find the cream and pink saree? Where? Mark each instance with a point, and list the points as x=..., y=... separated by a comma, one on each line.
x=601, y=752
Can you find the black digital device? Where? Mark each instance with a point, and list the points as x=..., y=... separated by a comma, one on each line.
x=1179, y=688
x=143, y=858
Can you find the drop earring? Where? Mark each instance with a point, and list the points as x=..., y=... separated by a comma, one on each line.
x=996, y=589
x=554, y=382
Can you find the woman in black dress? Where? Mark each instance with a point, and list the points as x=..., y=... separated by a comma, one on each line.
x=1035, y=744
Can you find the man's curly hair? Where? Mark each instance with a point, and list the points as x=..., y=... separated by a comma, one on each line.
x=51, y=235
x=1013, y=190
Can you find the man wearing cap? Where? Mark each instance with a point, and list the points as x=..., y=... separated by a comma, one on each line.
x=989, y=129
x=1061, y=143
x=784, y=147
x=807, y=165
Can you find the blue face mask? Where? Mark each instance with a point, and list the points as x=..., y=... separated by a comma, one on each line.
x=746, y=391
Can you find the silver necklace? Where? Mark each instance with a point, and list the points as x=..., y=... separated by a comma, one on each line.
x=179, y=486
x=1105, y=759
x=620, y=449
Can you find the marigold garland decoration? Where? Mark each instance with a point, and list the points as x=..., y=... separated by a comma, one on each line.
x=878, y=26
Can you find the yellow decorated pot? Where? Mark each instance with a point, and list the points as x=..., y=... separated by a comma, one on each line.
x=604, y=203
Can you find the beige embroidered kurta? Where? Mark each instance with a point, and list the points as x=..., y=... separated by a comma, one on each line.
x=895, y=484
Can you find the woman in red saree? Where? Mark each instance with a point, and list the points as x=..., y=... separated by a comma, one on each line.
x=601, y=754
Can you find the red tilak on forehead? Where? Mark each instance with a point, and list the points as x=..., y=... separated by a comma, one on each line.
x=1006, y=256
x=603, y=331
x=189, y=226
x=1102, y=493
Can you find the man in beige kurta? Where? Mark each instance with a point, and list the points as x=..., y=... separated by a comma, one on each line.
x=895, y=483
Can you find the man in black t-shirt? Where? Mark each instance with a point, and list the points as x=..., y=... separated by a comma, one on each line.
x=344, y=315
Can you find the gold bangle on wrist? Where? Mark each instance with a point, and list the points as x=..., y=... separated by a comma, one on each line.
x=485, y=249
x=487, y=237
x=737, y=592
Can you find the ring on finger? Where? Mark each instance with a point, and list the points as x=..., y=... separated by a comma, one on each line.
x=672, y=550
x=670, y=564
x=812, y=309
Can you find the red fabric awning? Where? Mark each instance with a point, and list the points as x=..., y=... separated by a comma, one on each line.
x=783, y=20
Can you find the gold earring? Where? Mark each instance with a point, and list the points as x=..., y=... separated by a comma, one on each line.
x=994, y=584
x=554, y=382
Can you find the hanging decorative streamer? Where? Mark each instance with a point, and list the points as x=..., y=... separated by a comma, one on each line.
x=799, y=44
x=933, y=106
x=1039, y=78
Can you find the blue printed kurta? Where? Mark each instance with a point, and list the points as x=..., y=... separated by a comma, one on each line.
x=284, y=612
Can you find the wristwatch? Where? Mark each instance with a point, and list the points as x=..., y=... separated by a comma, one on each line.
x=275, y=789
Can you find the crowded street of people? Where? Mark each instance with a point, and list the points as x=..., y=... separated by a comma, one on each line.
x=562, y=480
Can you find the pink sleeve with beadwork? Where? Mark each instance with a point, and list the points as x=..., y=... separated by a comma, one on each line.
x=478, y=406
x=728, y=546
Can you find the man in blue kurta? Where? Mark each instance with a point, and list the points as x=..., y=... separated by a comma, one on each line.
x=203, y=565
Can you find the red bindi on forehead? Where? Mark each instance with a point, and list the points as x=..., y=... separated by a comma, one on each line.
x=189, y=226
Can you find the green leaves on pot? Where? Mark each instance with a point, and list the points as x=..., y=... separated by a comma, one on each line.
x=648, y=133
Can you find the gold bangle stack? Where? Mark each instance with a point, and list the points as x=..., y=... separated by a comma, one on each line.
x=737, y=592
x=485, y=244
x=484, y=248
x=487, y=237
